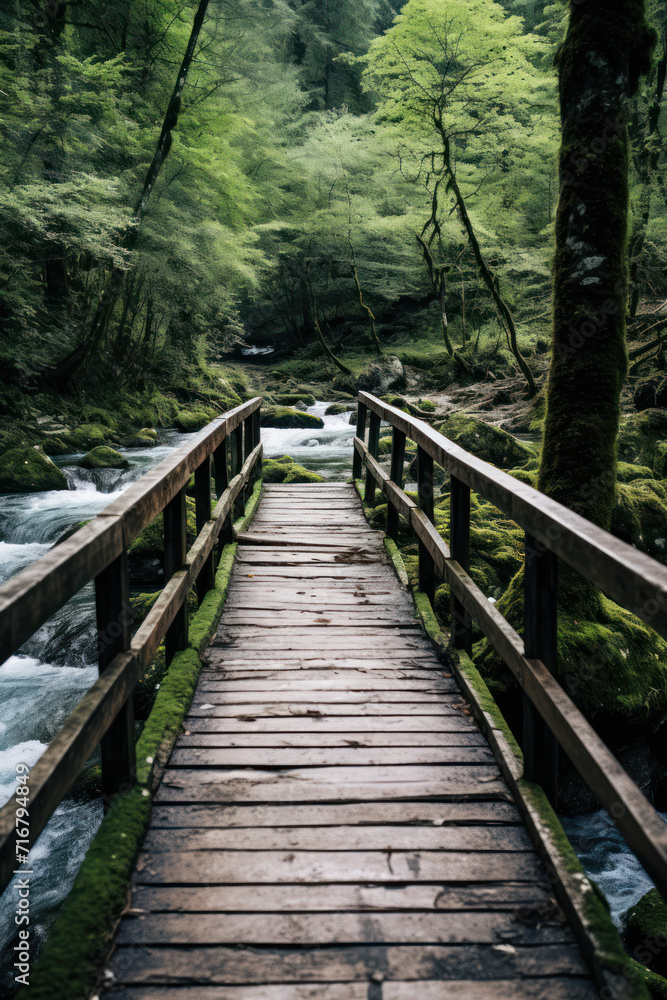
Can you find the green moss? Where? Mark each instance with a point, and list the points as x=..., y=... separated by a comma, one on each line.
x=645, y=931
x=612, y=665
x=293, y=398
x=488, y=443
x=426, y=404
x=193, y=420
x=103, y=457
x=88, y=436
x=284, y=416
x=528, y=476
x=286, y=470
x=335, y=409
x=640, y=516
x=54, y=446
x=641, y=440
x=29, y=470
x=626, y=472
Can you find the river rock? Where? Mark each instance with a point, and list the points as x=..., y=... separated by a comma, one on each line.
x=486, y=442
x=29, y=470
x=284, y=416
x=103, y=458
x=382, y=375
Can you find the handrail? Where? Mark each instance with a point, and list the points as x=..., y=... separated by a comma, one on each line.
x=628, y=576
x=99, y=551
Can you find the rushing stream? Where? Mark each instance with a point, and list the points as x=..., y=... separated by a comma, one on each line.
x=40, y=685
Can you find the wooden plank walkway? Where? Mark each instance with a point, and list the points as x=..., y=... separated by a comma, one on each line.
x=332, y=826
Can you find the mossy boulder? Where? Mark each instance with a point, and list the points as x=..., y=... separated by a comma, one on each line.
x=286, y=470
x=626, y=472
x=640, y=516
x=295, y=399
x=645, y=931
x=29, y=470
x=55, y=446
x=103, y=457
x=642, y=440
x=335, y=409
x=188, y=421
x=486, y=442
x=147, y=437
x=427, y=405
x=88, y=436
x=285, y=416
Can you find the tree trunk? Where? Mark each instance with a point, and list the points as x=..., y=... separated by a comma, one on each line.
x=606, y=49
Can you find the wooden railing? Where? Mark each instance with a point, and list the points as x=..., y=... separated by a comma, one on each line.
x=99, y=551
x=553, y=532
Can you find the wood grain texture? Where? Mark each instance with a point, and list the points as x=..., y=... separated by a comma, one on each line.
x=331, y=824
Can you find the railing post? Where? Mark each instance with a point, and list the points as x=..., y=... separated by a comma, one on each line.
x=237, y=465
x=175, y=551
x=221, y=470
x=114, y=618
x=256, y=437
x=425, y=488
x=540, y=747
x=361, y=434
x=248, y=434
x=373, y=447
x=460, y=549
x=397, y=462
x=206, y=578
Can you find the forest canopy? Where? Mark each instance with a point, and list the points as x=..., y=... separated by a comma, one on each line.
x=327, y=161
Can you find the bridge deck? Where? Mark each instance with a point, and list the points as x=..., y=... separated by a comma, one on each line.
x=332, y=825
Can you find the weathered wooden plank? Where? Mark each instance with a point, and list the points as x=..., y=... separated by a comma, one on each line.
x=372, y=571
x=253, y=710
x=223, y=661
x=294, y=557
x=509, y=896
x=410, y=813
x=340, y=784
x=348, y=680
x=318, y=929
x=469, y=738
x=435, y=989
x=247, y=867
x=342, y=838
x=320, y=696
x=204, y=965
x=326, y=757
x=311, y=619
x=456, y=722
x=524, y=989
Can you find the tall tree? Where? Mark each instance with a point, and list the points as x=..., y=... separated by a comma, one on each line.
x=606, y=50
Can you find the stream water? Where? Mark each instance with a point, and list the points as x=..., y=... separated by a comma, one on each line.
x=42, y=683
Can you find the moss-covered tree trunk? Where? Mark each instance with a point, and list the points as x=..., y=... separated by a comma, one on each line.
x=606, y=49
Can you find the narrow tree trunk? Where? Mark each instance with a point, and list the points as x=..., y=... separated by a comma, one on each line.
x=487, y=275
x=607, y=47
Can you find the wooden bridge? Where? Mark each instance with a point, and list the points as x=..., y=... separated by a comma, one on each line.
x=342, y=817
